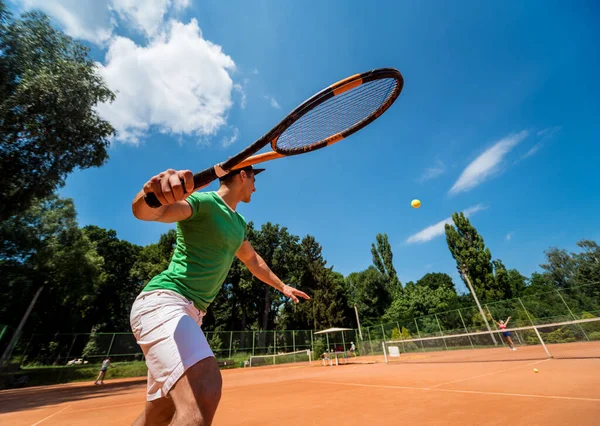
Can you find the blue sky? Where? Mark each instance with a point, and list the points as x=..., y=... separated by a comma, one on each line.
x=498, y=118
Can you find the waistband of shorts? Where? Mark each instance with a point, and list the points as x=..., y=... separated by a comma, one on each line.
x=145, y=294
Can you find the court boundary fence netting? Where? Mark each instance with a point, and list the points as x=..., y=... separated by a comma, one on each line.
x=296, y=357
x=568, y=339
x=234, y=348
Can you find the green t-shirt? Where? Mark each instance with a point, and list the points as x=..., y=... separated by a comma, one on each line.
x=206, y=245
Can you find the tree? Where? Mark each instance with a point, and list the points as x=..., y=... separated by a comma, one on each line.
x=44, y=246
x=560, y=267
x=433, y=293
x=49, y=89
x=468, y=248
x=371, y=294
x=154, y=258
x=328, y=306
x=383, y=261
x=118, y=289
x=517, y=282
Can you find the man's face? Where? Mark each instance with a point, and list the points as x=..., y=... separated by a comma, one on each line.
x=247, y=185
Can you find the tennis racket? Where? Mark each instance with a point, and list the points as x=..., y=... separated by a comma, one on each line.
x=327, y=117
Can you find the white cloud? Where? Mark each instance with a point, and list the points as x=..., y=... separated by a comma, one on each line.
x=95, y=20
x=535, y=148
x=484, y=166
x=146, y=16
x=437, y=229
x=178, y=83
x=240, y=89
x=509, y=236
x=89, y=20
x=228, y=141
x=273, y=102
x=433, y=172
x=544, y=134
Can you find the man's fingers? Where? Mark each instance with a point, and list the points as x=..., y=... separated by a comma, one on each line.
x=165, y=187
x=302, y=294
x=156, y=188
x=188, y=178
x=176, y=187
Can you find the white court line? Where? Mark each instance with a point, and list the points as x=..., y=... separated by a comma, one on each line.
x=51, y=415
x=108, y=407
x=457, y=391
x=489, y=374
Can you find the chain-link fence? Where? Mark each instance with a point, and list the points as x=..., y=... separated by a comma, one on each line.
x=573, y=303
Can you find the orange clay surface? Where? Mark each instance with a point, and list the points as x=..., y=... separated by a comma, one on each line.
x=564, y=392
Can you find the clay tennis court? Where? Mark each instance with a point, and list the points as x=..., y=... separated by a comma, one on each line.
x=565, y=391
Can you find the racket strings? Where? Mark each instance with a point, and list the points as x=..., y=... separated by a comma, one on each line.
x=337, y=114
x=331, y=118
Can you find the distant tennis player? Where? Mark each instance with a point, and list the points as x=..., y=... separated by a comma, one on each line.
x=184, y=381
x=103, y=370
x=502, y=326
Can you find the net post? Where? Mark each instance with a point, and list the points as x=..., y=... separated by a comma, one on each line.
x=309, y=357
x=384, y=353
x=542, y=341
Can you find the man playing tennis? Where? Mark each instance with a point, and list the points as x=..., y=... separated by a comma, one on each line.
x=184, y=380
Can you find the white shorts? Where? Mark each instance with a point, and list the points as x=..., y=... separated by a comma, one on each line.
x=167, y=327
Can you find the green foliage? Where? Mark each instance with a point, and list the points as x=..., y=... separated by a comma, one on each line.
x=431, y=294
x=489, y=279
x=319, y=347
x=371, y=293
x=383, y=259
x=49, y=90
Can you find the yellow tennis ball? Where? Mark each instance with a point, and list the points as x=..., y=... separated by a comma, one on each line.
x=536, y=370
x=415, y=203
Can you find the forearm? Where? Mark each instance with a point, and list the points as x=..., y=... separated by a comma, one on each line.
x=262, y=271
x=142, y=211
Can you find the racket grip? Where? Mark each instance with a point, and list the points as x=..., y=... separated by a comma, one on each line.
x=153, y=202
x=201, y=180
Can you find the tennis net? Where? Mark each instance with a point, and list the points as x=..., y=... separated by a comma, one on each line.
x=298, y=357
x=570, y=339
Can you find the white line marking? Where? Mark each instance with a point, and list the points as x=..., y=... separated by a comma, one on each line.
x=458, y=391
x=107, y=407
x=51, y=415
x=489, y=374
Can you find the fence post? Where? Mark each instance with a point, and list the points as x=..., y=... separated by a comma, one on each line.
x=71, y=348
x=253, y=339
x=466, y=330
x=495, y=326
x=441, y=332
x=230, y=343
x=293, y=341
x=274, y=343
x=572, y=315
x=111, y=344
x=419, y=334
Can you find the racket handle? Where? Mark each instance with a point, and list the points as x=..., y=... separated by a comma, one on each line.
x=201, y=180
